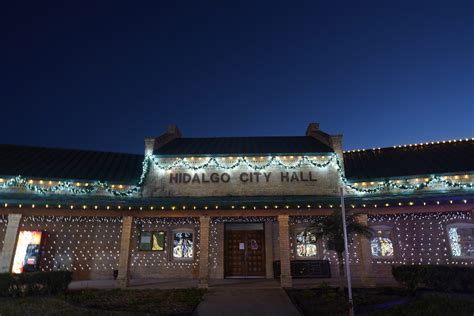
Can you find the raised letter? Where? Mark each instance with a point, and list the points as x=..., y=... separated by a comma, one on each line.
x=214, y=177
x=204, y=178
x=285, y=177
x=196, y=178
x=257, y=176
x=186, y=178
x=225, y=177
x=267, y=176
x=294, y=177
x=173, y=178
x=244, y=177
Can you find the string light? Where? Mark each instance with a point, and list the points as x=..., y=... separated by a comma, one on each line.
x=164, y=164
x=421, y=238
x=413, y=145
x=156, y=261
x=77, y=243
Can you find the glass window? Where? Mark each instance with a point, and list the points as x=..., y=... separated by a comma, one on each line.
x=381, y=244
x=145, y=241
x=306, y=244
x=182, y=245
x=461, y=240
x=158, y=241
x=154, y=241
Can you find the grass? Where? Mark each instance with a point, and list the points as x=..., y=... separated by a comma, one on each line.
x=332, y=301
x=433, y=305
x=106, y=302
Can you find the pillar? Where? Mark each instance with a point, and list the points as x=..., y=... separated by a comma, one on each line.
x=268, y=250
x=365, y=256
x=9, y=245
x=284, y=239
x=219, y=270
x=123, y=277
x=204, y=252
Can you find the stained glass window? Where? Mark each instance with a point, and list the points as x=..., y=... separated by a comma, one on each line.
x=306, y=244
x=461, y=240
x=381, y=244
x=182, y=245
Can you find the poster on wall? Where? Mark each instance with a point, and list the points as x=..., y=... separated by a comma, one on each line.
x=28, y=251
x=154, y=241
x=158, y=243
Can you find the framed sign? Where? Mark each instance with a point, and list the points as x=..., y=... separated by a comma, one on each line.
x=152, y=241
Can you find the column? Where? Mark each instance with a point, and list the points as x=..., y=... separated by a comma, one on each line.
x=283, y=226
x=219, y=270
x=204, y=252
x=365, y=256
x=268, y=250
x=123, y=277
x=9, y=245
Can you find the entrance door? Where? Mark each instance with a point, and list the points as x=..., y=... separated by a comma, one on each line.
x=244, y=250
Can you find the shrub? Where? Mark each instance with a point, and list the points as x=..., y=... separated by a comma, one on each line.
x=6, y=283
x=34, y=283
x=441, y=278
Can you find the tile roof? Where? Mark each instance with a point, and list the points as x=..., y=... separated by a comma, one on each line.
x=58, y=163
x=433, y=158
x=243, y=146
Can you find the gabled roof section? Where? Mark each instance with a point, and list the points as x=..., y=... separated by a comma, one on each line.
x=73, y=164
x=411, y=160
x=242, y=146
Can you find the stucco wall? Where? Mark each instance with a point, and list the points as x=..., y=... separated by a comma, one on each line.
x=161, y=264
x=88, y=246
x=322, y=181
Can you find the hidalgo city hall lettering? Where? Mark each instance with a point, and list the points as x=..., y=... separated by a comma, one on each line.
x=244, y=177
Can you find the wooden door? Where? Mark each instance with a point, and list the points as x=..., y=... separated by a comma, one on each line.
x=244, y=253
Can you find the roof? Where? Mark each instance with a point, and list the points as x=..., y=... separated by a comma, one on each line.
x=243, y=146
x=57, y=163
x=73, y=164
x=400, y=161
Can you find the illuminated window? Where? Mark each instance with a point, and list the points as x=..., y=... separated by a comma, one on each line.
x=306, y=244
x=461, y=240
x=183, y=244
x=154, y=241
x=381, y=244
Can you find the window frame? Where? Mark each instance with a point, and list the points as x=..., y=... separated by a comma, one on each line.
x=319, y=244
x=152, y=232
x=458, y=225
x=383, y=229
x=182, y=230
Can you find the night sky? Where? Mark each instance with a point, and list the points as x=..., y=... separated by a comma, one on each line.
x=104, y=75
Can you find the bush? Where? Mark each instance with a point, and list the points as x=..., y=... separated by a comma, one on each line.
x=441, y=278
x=34, y=283
x=6, y=283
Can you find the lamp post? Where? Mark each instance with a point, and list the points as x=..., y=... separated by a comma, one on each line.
x=346, y=253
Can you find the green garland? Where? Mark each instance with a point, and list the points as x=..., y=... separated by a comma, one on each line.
x=213, y=162
x=99, y=186
x=69, y=187
x=392, y=185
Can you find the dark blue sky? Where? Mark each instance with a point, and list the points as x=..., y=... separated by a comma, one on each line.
x=103, y=75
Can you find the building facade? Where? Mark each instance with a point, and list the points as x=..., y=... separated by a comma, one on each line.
x=237, y=207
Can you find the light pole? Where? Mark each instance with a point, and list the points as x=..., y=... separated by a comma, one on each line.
x=346, y=252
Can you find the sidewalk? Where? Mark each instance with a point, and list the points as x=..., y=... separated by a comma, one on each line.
x=246, y=301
